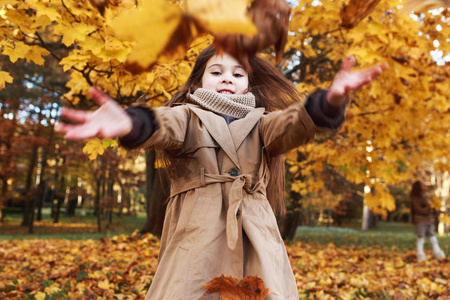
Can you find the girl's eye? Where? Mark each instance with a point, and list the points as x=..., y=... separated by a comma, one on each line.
x=215, y=73
x=238, y=75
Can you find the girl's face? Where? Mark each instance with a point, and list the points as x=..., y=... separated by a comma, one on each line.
x=224, y=74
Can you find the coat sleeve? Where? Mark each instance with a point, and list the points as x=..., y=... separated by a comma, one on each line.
x=421, y=206
x=169, y=125
x=284, y=130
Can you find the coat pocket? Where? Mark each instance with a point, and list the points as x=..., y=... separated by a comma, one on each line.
x=195, y=217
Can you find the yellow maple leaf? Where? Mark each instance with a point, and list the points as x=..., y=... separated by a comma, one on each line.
x=5, y=77
x=72, y=33
x=221, y=17
x=36, y=55
x=45, y=8
x=104, y=284
x=54, y=288
x=40, y=296
x=74, y=59
x=94, y=147
x=16, y=50
x=149, y=26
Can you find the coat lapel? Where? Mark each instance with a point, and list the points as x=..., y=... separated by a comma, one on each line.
x=241, y=128
x=219, y=130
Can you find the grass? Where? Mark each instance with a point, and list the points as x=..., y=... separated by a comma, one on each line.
x=80, y=226
x=84, y=226
x=386, y=235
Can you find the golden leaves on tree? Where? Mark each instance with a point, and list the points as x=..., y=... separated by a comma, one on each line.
x=229, y=288
x=355, y=11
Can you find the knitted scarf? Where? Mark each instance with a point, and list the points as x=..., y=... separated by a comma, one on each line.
x=236, y=106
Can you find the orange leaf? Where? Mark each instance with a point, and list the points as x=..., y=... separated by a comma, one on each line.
x=229, y=288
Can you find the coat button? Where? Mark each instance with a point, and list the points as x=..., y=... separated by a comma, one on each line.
x=234, y=172
x=238, y=213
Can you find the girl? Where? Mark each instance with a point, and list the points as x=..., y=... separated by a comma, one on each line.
x=224, y=140
x=422, y=217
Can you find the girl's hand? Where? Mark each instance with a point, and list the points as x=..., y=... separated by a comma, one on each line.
x=108, y=121
x=347, y=81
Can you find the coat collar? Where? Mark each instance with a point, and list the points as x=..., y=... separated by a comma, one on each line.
x=229, y=137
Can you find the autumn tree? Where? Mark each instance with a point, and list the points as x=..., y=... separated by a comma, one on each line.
x=394, y=126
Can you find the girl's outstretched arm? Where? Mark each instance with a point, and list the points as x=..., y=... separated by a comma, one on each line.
x=347, y=81
x=108, y=121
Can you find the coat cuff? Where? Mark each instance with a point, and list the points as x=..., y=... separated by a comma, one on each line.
x=143, y=127
x=322, y=113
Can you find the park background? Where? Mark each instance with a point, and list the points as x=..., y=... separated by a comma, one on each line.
x=82, y=219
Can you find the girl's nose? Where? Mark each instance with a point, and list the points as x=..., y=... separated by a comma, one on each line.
x=227, y=79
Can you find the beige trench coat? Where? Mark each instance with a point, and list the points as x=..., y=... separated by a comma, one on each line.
x=218, y=220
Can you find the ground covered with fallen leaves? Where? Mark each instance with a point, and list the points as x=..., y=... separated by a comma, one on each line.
x=122, y=267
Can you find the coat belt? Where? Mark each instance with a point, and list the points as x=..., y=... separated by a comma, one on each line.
x=236, y=195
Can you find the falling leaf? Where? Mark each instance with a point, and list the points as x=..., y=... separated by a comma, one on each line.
x=150, y=27
x=229, y=288
x=355, y=11
x=271, y=18
x=238, y=28
x=425, y=5
x=100, y=5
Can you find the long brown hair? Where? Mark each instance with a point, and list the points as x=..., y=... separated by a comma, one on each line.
x=416, y=190
x=272, y=91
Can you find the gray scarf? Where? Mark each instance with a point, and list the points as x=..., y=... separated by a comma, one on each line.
x=236, y=106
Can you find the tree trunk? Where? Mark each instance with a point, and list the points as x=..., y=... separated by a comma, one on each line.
x=59, y=194
x=158, y=186
x=161, y=192
x=36, y=198
x=366, y=219
x=370, y=220
x=28, y=183
x=288, y=224
x=41, y=193
x=110, y=202
x=29, y=205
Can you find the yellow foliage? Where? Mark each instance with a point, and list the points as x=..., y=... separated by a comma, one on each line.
x=5, y=78
x=403, y=113
x=93, y=148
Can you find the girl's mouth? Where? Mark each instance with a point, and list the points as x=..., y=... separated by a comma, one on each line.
x=225, y=92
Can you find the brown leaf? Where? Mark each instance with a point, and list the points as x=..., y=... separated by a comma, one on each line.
x=229, y=288
x=100, y=5
x=356, y=11
x=271, y=18
x=424, y=5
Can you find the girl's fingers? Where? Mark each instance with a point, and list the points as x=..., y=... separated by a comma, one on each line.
x=75, y=115
x=63, y=128
x=348, y=64
x=81, y=132
x=98, y=96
